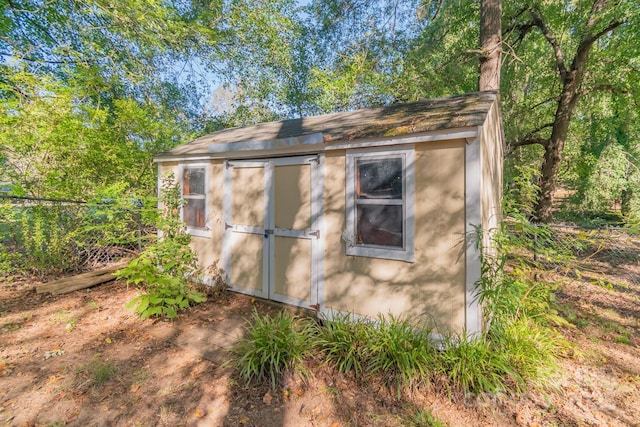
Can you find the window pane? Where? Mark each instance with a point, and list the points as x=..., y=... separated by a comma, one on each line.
x=379, y=179
x=193, y=213
x=379, y=225
x=193, y=180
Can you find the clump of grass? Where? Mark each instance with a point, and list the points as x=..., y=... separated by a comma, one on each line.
x=470, y=365
x=400, y=351
x=275, y=344
x=529, y=349
x=343, y=342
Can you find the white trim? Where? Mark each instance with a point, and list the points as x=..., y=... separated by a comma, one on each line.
x=309, y=139
x=317, y=223
x=196, y=231
x=473, y=223
x=263, y=149
x=406, y=253
x=227, y=237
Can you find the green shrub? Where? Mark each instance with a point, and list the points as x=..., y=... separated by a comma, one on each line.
x=344, y=343
x=165, y=268
x=275, y=344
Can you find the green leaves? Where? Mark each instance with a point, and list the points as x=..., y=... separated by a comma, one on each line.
x=165, y=268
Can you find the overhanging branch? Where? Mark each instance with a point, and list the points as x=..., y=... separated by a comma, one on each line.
x=533, y=140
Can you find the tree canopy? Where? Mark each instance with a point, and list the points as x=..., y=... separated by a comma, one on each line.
x=90, y=90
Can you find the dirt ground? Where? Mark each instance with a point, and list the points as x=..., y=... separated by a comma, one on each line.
x=82, y=359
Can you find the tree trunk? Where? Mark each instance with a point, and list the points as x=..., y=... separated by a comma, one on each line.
x=553, y=150
x=490, y=44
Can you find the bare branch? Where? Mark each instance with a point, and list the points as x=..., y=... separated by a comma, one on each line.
x=532, y=140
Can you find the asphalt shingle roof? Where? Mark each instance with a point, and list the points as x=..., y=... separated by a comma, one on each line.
x=459, y=111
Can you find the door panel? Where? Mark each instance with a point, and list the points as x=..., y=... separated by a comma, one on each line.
x=292, y=269
x=248, y=196
x=247, y=253
x=292, y=187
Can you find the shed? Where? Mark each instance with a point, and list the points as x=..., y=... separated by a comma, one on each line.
x=362, y=212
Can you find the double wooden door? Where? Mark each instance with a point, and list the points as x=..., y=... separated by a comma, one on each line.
x=272, y=219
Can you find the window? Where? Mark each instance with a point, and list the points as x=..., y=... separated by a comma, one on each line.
x=380, y=204
x=194, y=193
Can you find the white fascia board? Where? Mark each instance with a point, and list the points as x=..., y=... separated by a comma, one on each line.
x=309, y=139
x=258, y=149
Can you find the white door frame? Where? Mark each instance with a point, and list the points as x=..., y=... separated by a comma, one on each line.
x=315, y=234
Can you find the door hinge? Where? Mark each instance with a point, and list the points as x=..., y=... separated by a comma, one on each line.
x=315, y=233
x=227, y=226
x=315, y=307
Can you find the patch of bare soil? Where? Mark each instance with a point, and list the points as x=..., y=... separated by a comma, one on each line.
x=82, y=359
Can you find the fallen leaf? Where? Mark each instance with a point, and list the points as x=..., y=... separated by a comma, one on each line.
x=108, y=340
x=267, y=398
x=243, y=420
x=199, y=413
x=134, y=388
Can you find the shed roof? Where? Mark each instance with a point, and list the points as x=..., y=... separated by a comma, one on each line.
x=453, y=112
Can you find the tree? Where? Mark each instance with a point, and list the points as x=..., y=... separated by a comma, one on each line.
x=89, y=91
x=558, y=57
x=490, y=44
x=572, y=63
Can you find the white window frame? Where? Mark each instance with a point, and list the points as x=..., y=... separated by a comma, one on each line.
x=406, y=253
x=196, y=231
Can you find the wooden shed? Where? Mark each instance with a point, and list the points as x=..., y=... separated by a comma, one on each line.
x=363, y=212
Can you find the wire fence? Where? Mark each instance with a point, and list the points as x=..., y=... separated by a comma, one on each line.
x=51, y=237
x=604, y=256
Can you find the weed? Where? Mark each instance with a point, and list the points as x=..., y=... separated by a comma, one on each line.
x=164, y=269
x=64, y=316
x=99, y=371
x=273, y=345
x=93, y=305
x=622, y=340
x=141, y=375
x=424, y=418
x=583, y=323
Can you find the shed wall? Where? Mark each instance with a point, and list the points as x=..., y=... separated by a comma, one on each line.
x=209, y=248
x=434, y=285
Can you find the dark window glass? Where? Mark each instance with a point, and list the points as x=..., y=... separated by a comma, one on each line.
x=194, y=213
x=379, y=179
x=379, y=225
x=193, y=181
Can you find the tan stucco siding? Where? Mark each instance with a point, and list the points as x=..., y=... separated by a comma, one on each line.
x=434, y=285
